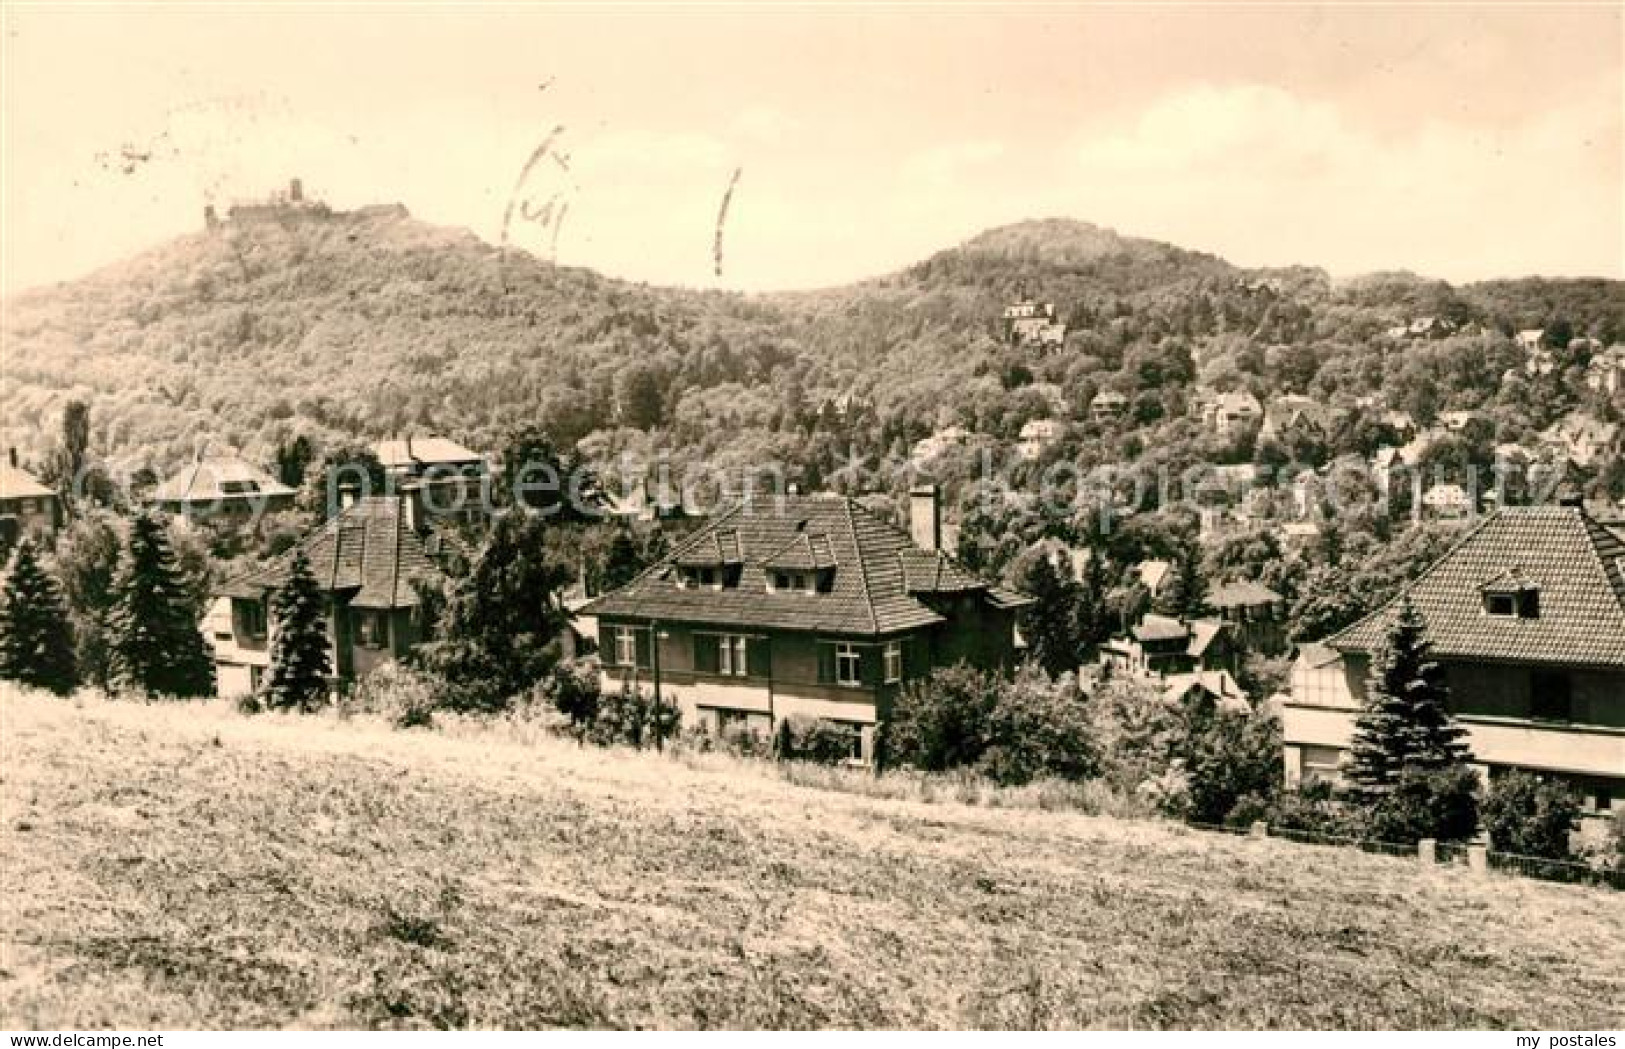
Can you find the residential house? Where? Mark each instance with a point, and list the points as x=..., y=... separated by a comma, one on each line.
x=27, y=507
x=1526, y=613
x=929, y=448
x=1031, y=323
x=1255, y=613
x=1606, y=372
x=1458, y=421
x=1037, y=436
x=1108, y=404
x=1530, y=339
x=1581, y=438
x=1228, y=413
x=366, y=561
x=1295, y=417
x=1447, y=502
x=1218, y=687
x=1159, y=646
x=223, y=488
x=802, y=605
x=449, y=478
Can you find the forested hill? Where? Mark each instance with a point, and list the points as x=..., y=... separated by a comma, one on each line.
x=368, y=323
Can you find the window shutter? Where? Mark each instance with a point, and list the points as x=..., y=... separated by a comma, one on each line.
x=642, y=647
x=759, y=655
x=826, y=663
x=705, y=653
x=869, y=668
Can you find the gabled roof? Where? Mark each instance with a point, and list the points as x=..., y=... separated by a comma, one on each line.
x=217, y=480
x=369, y=551
x=17, y=483
x=879, y=583
x=422, y=451
x=1154, y=627
x=804, y=553
x=1576, y=564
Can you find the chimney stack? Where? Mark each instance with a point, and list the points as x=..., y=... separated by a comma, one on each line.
x=296, y=190
x=925, y=516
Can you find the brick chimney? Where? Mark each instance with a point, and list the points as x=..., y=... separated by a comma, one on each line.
x=925, y=516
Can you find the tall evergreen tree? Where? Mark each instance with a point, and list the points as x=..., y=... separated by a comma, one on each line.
x=157, y=646
x=622, y=561
x=36, y=638
x=1405, y=722
x=299, y=659
x=1049, y=624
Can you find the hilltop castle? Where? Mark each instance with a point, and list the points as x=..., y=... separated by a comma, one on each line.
x=282, y=206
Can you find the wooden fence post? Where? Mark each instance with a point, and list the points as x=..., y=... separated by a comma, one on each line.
x=1427, y=851
x=1260, y=829
x=1478, y=859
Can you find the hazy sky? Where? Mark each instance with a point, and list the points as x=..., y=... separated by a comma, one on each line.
x=1457, y=141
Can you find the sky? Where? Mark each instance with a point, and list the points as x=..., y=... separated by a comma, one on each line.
x=1463, y=142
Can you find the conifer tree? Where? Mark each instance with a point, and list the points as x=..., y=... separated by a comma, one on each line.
x=622, y=561
x=1405, y=722
x=157, y=646
x=1049, y=624
x=36, y=637
x=299, y=659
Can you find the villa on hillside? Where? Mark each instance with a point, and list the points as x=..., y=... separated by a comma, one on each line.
x=366, y=561
x=221, y=488
x=27, y=507
x=1527, y=615
x=447, y=476
x=802, y=605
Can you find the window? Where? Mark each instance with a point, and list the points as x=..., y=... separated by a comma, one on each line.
x=1525, y=604
x=790, y=581
x=731, y=655
x=848, y=665
x=251, y=615
x=1550, y=696
x=371, y=629
x=893, y=658
x=626, y=646
x=1500, y=604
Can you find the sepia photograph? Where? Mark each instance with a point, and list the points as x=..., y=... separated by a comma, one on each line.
x=812, y=517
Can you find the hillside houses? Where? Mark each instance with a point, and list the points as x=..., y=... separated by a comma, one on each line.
x=1227, y=413
x=1527, y=614
x=1028, y=322
x=1161, y=646
x=1606, y=372
x=1581, y=438
x=1108, y=405
x=806, y=606
x=1295, y=417
x=1038, y=436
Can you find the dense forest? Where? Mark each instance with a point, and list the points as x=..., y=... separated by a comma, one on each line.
x=371, y=323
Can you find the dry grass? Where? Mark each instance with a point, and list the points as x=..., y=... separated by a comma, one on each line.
x=184, y=866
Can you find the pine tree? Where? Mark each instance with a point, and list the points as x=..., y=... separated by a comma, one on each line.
x=622, y=561
x=1049, y=624
x=157, y=646
x=299, y=659
x=1405, y=722
x=36, y=638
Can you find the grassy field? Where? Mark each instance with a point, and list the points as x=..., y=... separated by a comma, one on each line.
x=185, y=866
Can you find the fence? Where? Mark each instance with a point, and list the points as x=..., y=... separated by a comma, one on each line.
x=1441, y=853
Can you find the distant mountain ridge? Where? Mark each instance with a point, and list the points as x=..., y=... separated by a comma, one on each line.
x=372, y=322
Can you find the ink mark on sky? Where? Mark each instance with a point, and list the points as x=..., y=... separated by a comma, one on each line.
x=722, y=218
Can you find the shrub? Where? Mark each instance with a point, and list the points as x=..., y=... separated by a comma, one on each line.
x=631, y=717
x=1228, y=755
x=817, y=740
x=940, y=722
x=746, y=741
x=1427, y=803
x=1526, y=815
x=1312, y=810
x=1038, y=728
x=404, y=696
x=575, y=691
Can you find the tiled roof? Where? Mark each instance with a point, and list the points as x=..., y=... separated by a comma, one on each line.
x=211, y=480
x=879, y=579
x=1576, y=564
x=17, y=483
x=1242, y=594
x=369, y=549
x=1153, y=627
x=422, y=451
x=804, y=553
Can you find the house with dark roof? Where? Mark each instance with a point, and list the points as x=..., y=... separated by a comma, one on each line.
x=27, y=507
x=448, y=479
x=1159, y=646
x=802, y=605
x=1527, y=615
x=1254, y=611
x=220, y=488
x=366, y=560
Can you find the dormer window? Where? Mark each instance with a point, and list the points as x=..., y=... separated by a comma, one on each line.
x=1511, y=595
